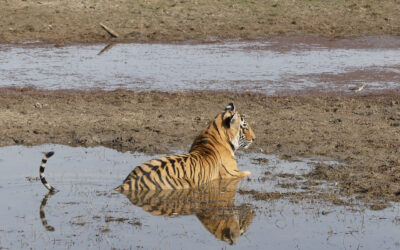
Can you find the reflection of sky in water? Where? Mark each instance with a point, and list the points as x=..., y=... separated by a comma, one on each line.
x=231, y=66
x=80, y=212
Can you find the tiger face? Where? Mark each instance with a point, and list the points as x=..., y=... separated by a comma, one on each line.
x=239, y=131
x=231, y=125
x=246, y=135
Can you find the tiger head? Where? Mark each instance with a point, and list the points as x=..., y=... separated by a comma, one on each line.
x=246, y=135
x=239, y=131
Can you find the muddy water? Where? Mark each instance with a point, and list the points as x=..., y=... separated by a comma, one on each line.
x=86, y=213
x=272, y=67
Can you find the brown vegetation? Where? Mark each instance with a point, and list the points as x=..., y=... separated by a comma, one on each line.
x=59, y=21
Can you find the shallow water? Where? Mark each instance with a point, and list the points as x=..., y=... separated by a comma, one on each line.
x=269, y=67
x=87, y=213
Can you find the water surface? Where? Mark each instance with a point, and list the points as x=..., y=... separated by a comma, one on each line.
x=87, y=213
x=270, y=67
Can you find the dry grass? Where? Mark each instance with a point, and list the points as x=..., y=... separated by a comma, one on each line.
x=171, y=20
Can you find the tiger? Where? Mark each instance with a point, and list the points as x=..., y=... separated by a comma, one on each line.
x=211, y=156
x=212, y=203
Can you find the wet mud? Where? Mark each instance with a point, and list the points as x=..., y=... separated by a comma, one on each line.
x=360, y=131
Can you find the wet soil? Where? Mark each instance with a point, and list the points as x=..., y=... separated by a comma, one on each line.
x=360, y=131
x=170, y=20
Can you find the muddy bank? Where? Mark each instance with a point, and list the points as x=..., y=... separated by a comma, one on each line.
x=360, y=131
x=144, y=21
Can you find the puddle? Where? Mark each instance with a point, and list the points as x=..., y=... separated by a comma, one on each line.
x=87, y=213
x=269, y=67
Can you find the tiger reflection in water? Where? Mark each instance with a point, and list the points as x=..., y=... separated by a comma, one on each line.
x=213, y=205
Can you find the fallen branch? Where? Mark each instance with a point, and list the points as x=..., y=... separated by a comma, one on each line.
x=109, y=30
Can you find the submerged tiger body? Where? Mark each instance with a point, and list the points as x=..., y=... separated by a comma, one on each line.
x=211, y=156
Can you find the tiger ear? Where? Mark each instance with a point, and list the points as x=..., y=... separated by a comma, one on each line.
x=230, y=107
x=230, y=120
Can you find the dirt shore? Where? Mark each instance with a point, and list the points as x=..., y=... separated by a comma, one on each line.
x=360, y=131
x=58, y=21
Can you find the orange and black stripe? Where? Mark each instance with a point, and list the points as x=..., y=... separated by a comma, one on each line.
x=41, y=172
